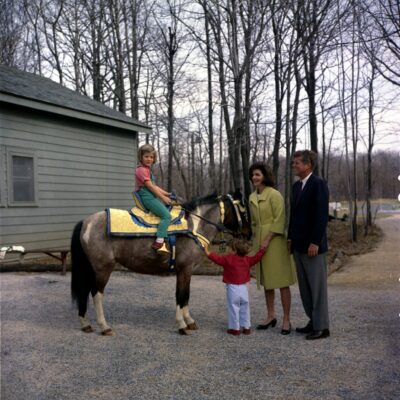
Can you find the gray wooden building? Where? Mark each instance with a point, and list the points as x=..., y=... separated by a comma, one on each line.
x=63, y=156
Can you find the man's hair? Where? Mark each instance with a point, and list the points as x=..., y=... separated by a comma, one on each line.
x=307, y=157
x=146, y=148
x=241, y=247
x=266, y=171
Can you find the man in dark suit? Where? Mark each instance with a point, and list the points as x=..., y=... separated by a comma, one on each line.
x=308, y=243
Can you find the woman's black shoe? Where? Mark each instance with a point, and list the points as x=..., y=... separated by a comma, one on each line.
x=286, y=331
x=271, y=324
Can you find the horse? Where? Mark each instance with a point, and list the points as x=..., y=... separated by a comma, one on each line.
x=94, y=255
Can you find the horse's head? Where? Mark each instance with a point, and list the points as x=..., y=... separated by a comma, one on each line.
x=227, y=213
x=235, y=216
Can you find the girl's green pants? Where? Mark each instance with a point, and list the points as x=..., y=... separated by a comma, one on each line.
x=157, y=207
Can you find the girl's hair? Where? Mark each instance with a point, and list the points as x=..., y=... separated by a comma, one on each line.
x=146, y=148
x=241, y=247
x=265, y=170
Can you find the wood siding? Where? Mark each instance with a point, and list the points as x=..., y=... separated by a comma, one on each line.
x=81, y=168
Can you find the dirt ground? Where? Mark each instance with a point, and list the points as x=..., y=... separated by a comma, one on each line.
x=45, y=356
x=379, y=268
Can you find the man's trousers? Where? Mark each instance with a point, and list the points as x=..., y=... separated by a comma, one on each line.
x=312, y=275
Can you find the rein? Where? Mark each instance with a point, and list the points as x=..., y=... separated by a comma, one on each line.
x=219, y=227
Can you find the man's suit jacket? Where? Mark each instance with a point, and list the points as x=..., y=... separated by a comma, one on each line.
x=309, y=215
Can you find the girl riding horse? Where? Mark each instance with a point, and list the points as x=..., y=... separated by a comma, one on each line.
x=94, y=254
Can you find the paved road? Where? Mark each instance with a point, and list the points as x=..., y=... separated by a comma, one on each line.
x=45, y=356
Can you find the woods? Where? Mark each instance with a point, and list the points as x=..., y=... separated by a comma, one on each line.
x=224, y=83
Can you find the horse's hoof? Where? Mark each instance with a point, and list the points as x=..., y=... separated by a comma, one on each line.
x=108, y=332
x=87, y=329
x=193, y=327
x=185, y=331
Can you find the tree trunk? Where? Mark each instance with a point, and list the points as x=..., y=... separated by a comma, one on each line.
x=172, y=49
x=211, y=168
x=371, y=141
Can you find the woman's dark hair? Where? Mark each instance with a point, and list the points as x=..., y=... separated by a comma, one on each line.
x=265, y=170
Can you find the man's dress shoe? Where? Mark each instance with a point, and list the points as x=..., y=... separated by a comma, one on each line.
x=318, y=334
x=307, y=329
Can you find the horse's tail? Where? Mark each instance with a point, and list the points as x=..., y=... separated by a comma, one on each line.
x=82, y=273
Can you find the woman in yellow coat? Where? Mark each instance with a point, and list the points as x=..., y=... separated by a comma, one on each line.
x=276, y=270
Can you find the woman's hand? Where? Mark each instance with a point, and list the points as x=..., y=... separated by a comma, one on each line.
x=265, y=243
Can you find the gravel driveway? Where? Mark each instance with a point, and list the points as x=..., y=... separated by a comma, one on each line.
x=44, y=355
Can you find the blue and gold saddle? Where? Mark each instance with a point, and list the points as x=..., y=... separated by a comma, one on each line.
x=138, y=222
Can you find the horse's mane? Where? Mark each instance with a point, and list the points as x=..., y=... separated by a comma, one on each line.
x=198, y=201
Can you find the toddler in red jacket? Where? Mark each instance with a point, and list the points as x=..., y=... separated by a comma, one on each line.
x=236, y=277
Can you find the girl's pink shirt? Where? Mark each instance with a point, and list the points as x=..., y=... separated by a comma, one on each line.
x=142, y=174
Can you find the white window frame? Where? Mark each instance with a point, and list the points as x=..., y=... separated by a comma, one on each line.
x=22, y=153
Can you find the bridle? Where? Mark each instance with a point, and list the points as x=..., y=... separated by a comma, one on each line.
x=238, y=208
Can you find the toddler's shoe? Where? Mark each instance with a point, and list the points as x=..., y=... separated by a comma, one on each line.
x=246, y=331
x=233, y=331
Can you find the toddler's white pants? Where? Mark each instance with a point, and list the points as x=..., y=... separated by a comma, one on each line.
x=238, y=306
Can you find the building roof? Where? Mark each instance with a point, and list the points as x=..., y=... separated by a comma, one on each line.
x=33, y=91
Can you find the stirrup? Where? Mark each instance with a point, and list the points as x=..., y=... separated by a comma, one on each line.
x=163, y=249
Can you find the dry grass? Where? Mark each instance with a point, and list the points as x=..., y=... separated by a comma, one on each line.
x=340, y=243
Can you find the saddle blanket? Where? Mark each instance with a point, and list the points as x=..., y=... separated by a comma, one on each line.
x=136, y=222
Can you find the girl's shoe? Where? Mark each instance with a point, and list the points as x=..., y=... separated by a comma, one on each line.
x=160, y=247
x=246, y=331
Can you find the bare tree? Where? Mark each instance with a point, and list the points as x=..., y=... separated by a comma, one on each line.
x=234, y=23
x=354, y=110
x=371, y=141
x=51, y=14
x=316, y=25
x=12, y=21
x=386, y=31
x=32, y=11
x=93, y=55
x=210, y=99
x=169, y=56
